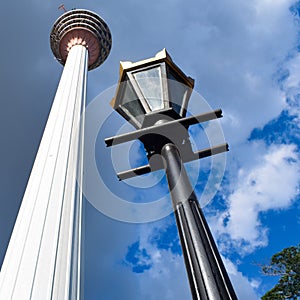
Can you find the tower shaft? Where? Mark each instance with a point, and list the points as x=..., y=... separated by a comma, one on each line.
x=44, y=253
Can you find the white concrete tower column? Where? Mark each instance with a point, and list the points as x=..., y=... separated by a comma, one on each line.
x=43, y=259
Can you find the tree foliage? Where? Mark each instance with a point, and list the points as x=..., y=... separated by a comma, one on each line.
x=285, y=264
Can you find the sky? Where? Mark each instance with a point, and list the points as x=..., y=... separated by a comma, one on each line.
x=245, y=59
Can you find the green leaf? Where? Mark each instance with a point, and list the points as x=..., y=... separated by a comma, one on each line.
x=285, y=264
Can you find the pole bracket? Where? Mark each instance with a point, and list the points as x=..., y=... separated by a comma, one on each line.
x=156, y=136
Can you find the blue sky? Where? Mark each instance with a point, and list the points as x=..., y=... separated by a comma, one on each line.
x=244, y=57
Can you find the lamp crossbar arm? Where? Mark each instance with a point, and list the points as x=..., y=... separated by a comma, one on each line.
x=196, y=155
x=158, y=128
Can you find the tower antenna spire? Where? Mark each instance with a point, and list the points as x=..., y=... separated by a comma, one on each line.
x=62, y=6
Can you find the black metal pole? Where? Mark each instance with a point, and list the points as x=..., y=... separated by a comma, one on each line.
x=207, y=275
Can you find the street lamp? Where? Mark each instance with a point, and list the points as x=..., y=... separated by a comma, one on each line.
x=153, y=95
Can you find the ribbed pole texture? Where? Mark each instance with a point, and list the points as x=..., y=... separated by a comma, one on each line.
x=207, y=275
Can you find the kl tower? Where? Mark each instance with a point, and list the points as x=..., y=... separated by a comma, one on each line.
x=43, y=259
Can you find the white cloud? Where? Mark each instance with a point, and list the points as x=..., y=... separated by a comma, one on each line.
x=293, y=80
x=167, y=278
x=168, y=274
x=243, y=286
x=235, y=61
x=291, y=85
x=271, y=184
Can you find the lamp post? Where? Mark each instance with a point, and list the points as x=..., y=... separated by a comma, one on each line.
x=153, y=95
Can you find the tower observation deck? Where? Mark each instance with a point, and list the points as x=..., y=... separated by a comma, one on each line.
x=44, y=255
x=81, y=27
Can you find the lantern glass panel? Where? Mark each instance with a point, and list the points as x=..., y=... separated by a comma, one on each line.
x=132, y=104
x=177, y=93
x=150, y=84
